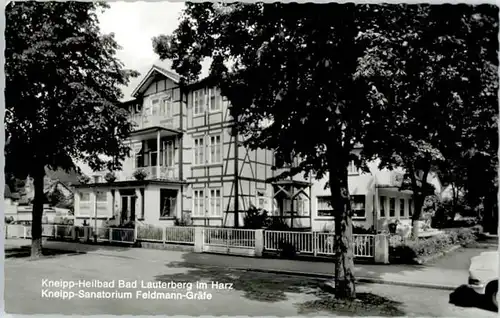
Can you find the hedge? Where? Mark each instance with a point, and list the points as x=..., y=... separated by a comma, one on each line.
x=410, y=251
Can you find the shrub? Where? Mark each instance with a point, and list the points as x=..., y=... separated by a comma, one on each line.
x=9, y=219
x=183, y=221
x=410, y=251
x=84, y=179
x=140, y=174
x=278, y=224
x=110, y=177
x=363, y=230
x=287, y=249
x=477, y=230
x=256, y=218
x=465, y=236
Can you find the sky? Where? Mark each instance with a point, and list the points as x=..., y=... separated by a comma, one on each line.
x=134, y=25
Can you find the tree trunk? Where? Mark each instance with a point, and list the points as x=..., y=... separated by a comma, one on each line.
x=419, y=202
x=345, y=287
x=37, y=213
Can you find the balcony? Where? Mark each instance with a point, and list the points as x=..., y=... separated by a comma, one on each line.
x=165, y=173
x=147, y=121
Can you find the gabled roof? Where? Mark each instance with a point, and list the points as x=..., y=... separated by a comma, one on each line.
x=148, y=79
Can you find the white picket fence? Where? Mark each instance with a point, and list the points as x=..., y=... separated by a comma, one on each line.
x=317, y=243
x=219, y=240
x=171, y=235
x=239, y=238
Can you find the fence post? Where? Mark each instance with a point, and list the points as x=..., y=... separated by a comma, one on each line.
x=259, y=242
x=315, y=243
x=164, y=236
x=73, y=233
x=6, y=230
x=199, y=239
x=55, y=231
x=110, y=235
x=381, y=249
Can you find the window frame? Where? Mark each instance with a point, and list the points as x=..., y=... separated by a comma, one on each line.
x=197, y=198
x=327, y=198
x=199, y=102
x=402, y=208
x=214, y=202
x=382, y=199
x=217, y=100
x=167, y=153
x=199, y=151
x=155, y=106
x=167, y=106
x=213, y=147
x=355, y=209
x=172, y=203
x=392, y=212
x=85, y=201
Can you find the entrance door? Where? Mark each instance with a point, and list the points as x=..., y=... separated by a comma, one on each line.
x=128, y=200
x=125, y=208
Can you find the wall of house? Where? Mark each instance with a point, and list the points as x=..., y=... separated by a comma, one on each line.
x=363, y=183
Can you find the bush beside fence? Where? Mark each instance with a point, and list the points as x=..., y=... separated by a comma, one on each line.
x=410, y=251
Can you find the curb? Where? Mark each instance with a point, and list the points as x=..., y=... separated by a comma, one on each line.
x=360, y=279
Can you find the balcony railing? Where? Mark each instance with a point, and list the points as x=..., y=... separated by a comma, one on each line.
x=146, y=121
x=166, y=173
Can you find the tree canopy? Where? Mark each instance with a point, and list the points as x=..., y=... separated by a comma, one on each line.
x=437, y=81
x=62, y=87
x=311, y=81
x=62, y=93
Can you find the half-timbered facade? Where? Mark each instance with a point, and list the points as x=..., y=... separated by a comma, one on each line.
x=194, y=166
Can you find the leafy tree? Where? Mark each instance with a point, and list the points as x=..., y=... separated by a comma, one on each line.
x=436, y=80
x=285, y=64
x=62, y=88
x=311, y=81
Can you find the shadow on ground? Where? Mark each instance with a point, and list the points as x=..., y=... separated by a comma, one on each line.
x=464, y=296
x=25, y=252
x=267, y=287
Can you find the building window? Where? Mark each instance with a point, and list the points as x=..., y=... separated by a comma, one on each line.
x=101, y=197
x=324, y=206
x=382, y=206
x=392, y=207
x=358, y=206
x=198, y=102
x=215, y=149
x=199, y=151
x=167, y=107
x=410, y=207
x=215, y=100
x=155, y=107
x=84, y=197
x=301, y=206
x=262, y=202
x=168, y=199
x=215, y=207
x=198, y=203
x=168, y=153
x=351, y=168
x=402, y=207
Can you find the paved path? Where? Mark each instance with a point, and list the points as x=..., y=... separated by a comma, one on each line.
x=400, y=274
x=253, y=294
